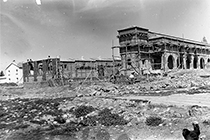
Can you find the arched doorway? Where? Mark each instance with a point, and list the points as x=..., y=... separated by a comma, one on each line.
x=208, y=60
x=195, y=62
x=202, y=62
x=170, y=62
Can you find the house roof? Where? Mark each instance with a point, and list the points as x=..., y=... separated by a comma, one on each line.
x=13, y=63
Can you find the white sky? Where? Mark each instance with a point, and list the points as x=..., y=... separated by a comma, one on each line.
x=74, y=28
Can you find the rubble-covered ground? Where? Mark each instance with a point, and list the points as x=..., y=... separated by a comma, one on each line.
x=106, y=111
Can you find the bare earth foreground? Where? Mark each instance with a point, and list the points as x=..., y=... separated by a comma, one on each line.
x=154, y=109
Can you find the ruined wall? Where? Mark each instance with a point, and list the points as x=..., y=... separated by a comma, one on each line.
x=46, y=69
x=41, y=70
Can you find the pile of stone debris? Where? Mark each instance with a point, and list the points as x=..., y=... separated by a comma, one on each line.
x=181, y=79
x=190, y=80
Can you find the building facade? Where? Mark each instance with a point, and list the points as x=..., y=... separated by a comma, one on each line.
x=14, y=73
x=145, y=52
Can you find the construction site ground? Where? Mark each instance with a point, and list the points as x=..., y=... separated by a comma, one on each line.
x=156, y=108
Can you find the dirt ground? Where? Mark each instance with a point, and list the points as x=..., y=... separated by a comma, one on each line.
x=150, y=110
x=202, y=99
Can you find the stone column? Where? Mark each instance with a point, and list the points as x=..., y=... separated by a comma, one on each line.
x=54, y=68
x=184, y=61
x=164, y=61
x=25, y=72
x=175, y=61
x=205, y=62
x=191, y=63
x=198, y=64
x=44, y=68
x=36, y=69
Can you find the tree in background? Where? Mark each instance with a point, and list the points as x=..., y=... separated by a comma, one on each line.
x=1, y=73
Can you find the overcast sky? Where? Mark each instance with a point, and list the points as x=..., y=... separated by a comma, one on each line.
x=75, y=28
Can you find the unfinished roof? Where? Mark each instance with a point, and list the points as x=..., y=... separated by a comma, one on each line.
x=84, y=60
x=132, y=28
x=67, y=60
x=180, y=40
x=157, y=36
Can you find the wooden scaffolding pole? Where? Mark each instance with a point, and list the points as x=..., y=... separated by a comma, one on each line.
x=126, y=50
x=139, y=58
x=113, y=65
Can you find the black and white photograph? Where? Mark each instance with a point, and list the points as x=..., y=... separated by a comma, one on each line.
x=104, y=69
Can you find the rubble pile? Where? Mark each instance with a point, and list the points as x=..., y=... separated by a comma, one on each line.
x=98, y=90
x=176, y=80
x=192, y=81
x=203, y=113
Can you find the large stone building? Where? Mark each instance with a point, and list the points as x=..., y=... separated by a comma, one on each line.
x=144, y=51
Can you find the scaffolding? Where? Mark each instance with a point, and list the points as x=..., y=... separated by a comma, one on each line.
x=139, y=52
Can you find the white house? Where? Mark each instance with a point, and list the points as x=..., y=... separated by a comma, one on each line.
x=14, y=73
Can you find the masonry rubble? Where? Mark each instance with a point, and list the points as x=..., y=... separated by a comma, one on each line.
x=185, y=81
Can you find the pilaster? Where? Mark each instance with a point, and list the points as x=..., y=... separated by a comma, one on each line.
x=184, y=61
x=191, y=63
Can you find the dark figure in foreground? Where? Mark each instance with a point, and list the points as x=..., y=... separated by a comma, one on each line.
x=192, y=135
